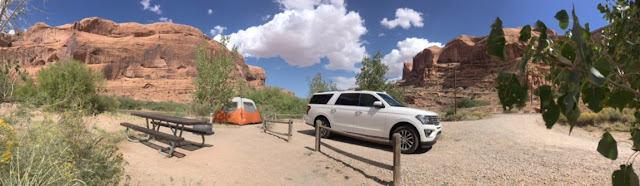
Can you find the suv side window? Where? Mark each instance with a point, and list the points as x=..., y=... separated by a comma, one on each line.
x=348, y=99
x=367, y=100
x=320, y=99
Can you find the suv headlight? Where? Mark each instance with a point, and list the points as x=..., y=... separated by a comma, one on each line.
x=428, y=120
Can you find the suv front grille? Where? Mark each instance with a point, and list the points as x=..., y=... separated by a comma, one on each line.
x=433, y=120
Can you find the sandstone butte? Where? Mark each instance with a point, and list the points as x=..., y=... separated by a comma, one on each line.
x=147, y=62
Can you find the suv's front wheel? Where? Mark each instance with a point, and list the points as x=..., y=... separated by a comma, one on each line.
x=325, y=123
x=409, y=141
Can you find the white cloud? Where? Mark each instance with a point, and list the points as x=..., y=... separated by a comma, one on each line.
x=405, y=52
x=405, y=17
x=217, y=30
x=298, y=4
x=266, y=17
x=165, y=19
x=210, y=12
x=302, y=36
x=12, y=31
x=380, y=34
x=146, y=5
x=344, y=83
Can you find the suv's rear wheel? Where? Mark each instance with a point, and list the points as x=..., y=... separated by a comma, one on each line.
x=325, y=123
x=410, y=140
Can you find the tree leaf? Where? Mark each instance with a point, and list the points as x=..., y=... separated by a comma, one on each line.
x=572, y=113
x=625, y=176
x=603, y=66
x=510, y=91
x=594, y=97
x=608, y=146
x=550, y=111
x=496, y=40
x=525, y=33
x=569, y=52
x=563, y=19
x=635, y=137
x=619, y=99
x=596, y=78
x=542, y=42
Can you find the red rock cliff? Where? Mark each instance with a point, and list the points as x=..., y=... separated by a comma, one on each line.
x=150, y=62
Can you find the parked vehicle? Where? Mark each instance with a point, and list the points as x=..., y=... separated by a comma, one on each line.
x=373, y=114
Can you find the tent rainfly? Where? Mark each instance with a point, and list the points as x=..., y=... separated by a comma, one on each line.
x=242, y=111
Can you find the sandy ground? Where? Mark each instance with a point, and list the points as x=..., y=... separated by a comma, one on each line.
x=503, y=150
x=506, y=149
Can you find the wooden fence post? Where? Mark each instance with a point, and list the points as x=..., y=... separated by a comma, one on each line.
x=290, y=130
x=264, y=126
x=397, y=170
x=317, y=137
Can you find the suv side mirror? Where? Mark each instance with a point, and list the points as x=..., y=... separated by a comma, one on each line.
x=378, y=104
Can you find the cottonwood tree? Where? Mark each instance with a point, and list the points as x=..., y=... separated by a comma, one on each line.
x=601, y=69
x=10, y=72
x=316, y=84
x=212, y=83
x=371, y=77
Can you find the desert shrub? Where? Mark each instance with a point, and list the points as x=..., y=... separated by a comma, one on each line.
x=463, y=115
x=27, y=91
x=273, y=98
x=469, y=103
x=71, y=84
x=132, y=104
x=65, y=152
x=587, y=118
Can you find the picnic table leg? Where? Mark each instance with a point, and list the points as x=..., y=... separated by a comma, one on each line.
x=171, y=149
x=181, y=129
x=126, y=134
x=147, y=119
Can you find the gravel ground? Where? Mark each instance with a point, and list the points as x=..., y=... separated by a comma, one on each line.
x=503, y=150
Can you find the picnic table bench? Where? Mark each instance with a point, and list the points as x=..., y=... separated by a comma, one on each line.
x=175, y=124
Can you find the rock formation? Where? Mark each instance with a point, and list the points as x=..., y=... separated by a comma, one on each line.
x=150, y=62
x=432, y=69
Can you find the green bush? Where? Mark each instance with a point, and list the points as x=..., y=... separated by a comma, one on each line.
x=60, y=153
x=469, y=103
x=69, y=85
x=274, y=100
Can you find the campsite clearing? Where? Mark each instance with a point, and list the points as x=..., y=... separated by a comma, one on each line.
x=519, y=151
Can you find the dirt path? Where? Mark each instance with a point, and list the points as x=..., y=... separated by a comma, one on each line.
x=502, y=150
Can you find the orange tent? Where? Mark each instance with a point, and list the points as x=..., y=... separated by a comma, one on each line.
x=243, y=111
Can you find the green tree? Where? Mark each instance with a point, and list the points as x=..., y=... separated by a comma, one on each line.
x=10, y=76
x=371, y=77
x=316, y=84
x=214, y=74
x=602, y=70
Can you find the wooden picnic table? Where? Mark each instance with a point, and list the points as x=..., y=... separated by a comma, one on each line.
x=175, y=124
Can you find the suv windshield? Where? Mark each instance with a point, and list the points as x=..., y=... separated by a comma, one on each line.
x=392, y=102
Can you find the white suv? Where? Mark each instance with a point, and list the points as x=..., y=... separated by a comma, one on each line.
x=373, y=114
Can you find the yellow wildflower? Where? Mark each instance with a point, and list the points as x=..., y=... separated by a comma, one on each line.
x=6, y=157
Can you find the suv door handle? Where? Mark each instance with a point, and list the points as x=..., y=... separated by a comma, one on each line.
x=333, y=110
x=358, y=112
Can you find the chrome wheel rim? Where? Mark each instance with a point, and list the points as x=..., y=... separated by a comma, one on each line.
x=407, y=139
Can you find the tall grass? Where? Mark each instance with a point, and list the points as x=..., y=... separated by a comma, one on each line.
x=65, y=152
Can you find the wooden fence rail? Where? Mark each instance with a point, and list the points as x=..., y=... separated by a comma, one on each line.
x=396, y=167
x=290, y=132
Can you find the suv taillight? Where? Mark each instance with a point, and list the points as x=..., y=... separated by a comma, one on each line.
x=308, y=107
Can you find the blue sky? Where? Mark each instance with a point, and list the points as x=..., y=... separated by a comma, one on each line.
x=295, y=39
